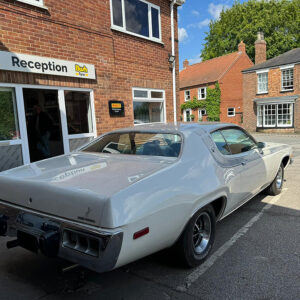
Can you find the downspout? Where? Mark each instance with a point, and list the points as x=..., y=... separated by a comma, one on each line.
x=174, y=63
x=178, y=2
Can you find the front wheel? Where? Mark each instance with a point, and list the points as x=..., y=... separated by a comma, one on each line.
x=198, y=237
x=275, y=187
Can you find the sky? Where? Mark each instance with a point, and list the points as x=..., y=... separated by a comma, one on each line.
x=193, y=20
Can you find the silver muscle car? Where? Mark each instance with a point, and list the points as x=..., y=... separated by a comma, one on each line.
x=135, y=191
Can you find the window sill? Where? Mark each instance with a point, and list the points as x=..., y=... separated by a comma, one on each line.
x=262, y=93
x=230, y=116
x=136, y=35
x=34, y=5
x=286, y=91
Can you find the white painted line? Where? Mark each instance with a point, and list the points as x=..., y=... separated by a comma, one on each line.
x=194, y=276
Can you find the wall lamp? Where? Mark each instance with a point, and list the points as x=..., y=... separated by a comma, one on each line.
x=171, y=59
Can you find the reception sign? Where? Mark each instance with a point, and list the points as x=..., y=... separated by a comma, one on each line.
x=44, y=65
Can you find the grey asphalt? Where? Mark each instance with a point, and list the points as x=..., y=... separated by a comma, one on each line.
x=262, y=264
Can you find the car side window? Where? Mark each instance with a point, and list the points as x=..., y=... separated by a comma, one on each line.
x=238, y=141
x=220, y=142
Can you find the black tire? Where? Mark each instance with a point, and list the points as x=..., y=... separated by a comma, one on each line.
x=192, y=250
x=275, y=187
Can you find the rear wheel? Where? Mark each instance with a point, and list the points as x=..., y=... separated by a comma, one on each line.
x=275, y=187
x=198, y=237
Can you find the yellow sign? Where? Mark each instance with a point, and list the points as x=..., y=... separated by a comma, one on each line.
x=116, y=105
x=79, y=69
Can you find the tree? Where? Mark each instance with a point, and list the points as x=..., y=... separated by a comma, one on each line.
x=278, y=19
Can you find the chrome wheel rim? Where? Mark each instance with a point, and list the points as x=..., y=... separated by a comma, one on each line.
x=279, y=178
x=201, y=232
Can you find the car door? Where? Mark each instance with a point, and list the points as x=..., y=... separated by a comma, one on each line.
x=231, y=167
x=253, y=175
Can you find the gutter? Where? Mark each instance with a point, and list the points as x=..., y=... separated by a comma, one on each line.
x=179, y=3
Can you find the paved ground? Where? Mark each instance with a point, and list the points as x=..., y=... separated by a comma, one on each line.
x=256, y=256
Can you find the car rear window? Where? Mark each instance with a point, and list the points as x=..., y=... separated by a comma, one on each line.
x=138, y=143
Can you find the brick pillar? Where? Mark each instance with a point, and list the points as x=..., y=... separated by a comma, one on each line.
x=242, y=47
x=185, y=64
x=260, y=49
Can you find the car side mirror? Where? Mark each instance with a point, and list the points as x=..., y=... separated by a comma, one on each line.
x=261, y=145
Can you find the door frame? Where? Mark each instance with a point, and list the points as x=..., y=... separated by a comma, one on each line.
x=23, y=141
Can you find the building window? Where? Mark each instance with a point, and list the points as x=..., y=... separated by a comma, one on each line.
x=202, y=93
x=39, y=3
x=136, y=17
x=260, y=110
x=9, y=125
x=148, y=106
x=187, y=95
x=201, y=113
x=187, y=113
x=275, y=115
x=287, y=79
x=230, y=111
x=79, y=113
x=262, y=82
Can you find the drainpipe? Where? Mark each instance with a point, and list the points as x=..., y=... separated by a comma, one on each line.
x=178, y=2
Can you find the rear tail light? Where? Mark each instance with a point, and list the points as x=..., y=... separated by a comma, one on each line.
x=81, y=242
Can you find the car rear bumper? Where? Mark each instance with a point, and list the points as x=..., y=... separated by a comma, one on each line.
x=87, y=246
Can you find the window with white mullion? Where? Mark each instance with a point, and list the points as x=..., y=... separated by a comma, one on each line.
x=270, y=115
x=287, y=79
x=260, y=109
x=262, y=82
x=285, y=115
x=136, y=17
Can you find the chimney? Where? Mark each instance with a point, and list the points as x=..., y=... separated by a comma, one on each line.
x=260, y=49
x=242, y=47
x=185, y=64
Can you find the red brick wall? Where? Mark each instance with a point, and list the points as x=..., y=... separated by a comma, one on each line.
x=274, y=86
x=231, y=86
x=80, y=31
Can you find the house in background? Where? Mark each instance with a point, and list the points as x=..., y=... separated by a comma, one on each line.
x=271, y=91
x=226, y=70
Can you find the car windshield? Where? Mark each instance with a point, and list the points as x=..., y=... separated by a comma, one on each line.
x=138, y=143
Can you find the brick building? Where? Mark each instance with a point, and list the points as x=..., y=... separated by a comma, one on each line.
x=226, y=70
x=271, y=90
x=71, y=70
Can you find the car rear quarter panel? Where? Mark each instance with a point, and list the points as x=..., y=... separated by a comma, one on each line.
x=166, y=200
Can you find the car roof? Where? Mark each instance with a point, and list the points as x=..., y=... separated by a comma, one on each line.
x=179, y=127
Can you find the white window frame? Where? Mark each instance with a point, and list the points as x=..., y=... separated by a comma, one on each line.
x=258, y=73
x=200, y=93
x=185, y=95
x=123, y=28
x=200, y=115
x=261, y=109
x=148, y=98
x=38, y=3
x=283, y=69
x=23, y=141
x=276, y=124
x=184, y=115
x=228, y=108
